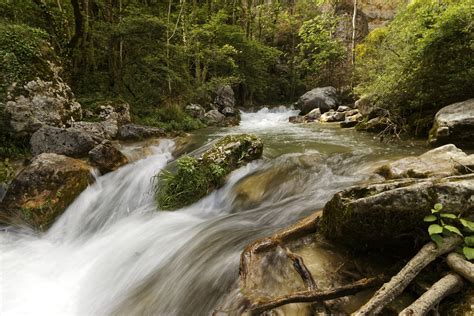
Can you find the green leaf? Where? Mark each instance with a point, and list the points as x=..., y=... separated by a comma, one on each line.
x=438, y=207
x=437, y=239
x=435, y=229
x=469, y=240
x=468, y=252
x=448, y=215
x=453, y=229
x=467, y=224
x=430, y=218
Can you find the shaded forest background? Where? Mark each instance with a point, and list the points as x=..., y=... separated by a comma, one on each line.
x=161, y=54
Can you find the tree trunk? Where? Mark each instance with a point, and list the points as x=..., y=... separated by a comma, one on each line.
x=448, y=285
x=389, y=291
x=354, y=27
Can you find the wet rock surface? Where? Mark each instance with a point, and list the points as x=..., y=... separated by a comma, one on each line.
x=106, y=157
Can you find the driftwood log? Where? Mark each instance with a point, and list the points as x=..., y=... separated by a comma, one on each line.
x=389, y=291
x=447, y=285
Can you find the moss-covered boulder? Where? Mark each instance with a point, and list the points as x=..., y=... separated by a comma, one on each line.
x=196, y=177
x=42, y=191
x=391, y=214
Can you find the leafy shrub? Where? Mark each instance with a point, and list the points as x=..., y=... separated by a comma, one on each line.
x=422, y=61
x=170, y=118
x=445, y=223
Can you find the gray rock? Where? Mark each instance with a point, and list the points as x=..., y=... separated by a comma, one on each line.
x=352, y=112
x=323, y=98
x=98, y=130
x=228, y=111
x=64, y=141
x=364, y=105
x=391, y=214
x=106, y=157
x=296, y=119
x=312, y=116
x=43, y=190
x=214, y=117
x=447, y=160
x=332, y=116
x=115, y=111
x=195, y=110
x=375, y=125
x=41, y=103
x=138, y=132
x=454, y=124
x=351, y=120
x=224, y=98
x=343, y=108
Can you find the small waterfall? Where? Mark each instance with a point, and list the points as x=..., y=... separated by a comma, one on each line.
x=113, y=253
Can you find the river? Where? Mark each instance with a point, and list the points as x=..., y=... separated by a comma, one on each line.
x=113, y=253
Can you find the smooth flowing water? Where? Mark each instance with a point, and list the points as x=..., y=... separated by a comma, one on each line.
x=113, y=253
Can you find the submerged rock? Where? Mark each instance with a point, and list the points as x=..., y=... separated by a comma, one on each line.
x=106, y=157
x=138, y=132
x=64, y=141
x=454, y=124
x=443, y=161
x=389, y=214
x=323, y=98
x=43, y=190
x=196, y=177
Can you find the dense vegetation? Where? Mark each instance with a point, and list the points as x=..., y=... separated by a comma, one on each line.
x=423, y=60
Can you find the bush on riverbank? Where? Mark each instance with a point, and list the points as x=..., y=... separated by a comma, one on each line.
x=194, y=178
x=421, y=62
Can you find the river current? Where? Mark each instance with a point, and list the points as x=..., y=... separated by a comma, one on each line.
x=113, y=253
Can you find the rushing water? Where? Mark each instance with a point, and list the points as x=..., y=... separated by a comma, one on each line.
x=112, y=252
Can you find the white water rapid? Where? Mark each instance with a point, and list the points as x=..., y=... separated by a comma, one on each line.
x=113, y=253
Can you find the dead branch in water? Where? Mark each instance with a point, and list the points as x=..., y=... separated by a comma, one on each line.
x=389, y=291
x=448, y=285
x=302, y=270
x=314, y=296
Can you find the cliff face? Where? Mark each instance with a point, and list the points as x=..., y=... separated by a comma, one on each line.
x=378, y=12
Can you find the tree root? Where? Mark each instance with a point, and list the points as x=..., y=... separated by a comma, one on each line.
x=389, y=291
x=448, y=285
x=463, y=267
x=314, y=296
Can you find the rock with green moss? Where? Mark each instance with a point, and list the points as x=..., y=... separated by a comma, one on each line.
x=43, y=190
x=390, y=214
x=196, y=177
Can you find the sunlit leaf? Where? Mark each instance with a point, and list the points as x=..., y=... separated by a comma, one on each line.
x=468, y=253
x=467, y=224
x=453, y=229
x=469, y=241
x=448, y=215
x=438, y=207
x=435, y=229
x=430, y=218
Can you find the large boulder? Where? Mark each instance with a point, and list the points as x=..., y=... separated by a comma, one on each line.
x=364, y=105
x=63, y=141
x=118, y=112
x=225, y=99
x=443, y=161
x=214, y=117
x=390, y=214
x=40, y=103
x=454, y=124
x=323, y=98
x=193, y=178
x=98, y=130
x=139, y=132
x=43, y=190
x=106, y=157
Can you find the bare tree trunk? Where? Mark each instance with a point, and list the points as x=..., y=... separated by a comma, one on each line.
x=389, y=291
x=354, y=27
x=460, y=265
x=448, y=285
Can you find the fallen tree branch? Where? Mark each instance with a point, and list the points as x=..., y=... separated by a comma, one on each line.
x=316, y=295
x=389, y=291
x=447, y=285
x=460, y=265
x=302, y=270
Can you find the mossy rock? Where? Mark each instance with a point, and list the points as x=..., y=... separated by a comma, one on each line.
x=390, y=215
x=196, y=177
x=43, y=190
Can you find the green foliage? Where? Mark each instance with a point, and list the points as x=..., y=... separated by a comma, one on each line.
x=24, y=55
x=422, y=61
x=170, y=118
x=445, y=224
x=6, y=171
